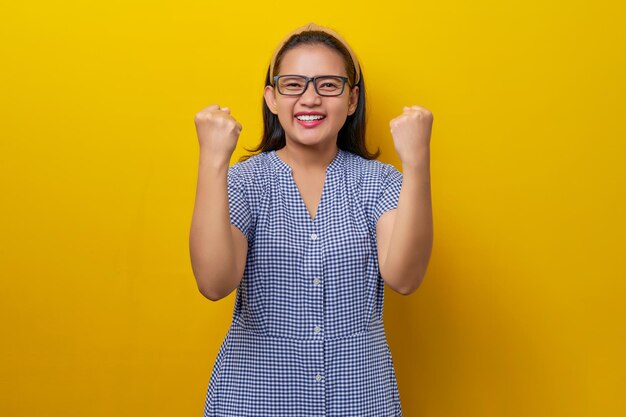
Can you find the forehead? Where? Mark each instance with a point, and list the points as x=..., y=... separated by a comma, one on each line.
x=312, y=60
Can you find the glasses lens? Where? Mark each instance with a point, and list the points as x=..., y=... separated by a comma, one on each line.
x=330, y=86
x=291, y=84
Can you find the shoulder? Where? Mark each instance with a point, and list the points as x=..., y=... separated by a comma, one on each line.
x=251, y=174
x=250, y=167
x=370, y=169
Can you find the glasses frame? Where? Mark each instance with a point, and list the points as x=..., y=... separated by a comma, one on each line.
x=306, y=84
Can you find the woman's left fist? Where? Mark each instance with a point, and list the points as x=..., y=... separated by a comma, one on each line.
x=411, y=133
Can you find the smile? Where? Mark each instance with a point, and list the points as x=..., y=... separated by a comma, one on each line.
x=310, y=121
x=308, y=118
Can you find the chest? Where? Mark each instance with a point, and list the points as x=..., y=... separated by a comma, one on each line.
x=307, y=225
x=310, y=187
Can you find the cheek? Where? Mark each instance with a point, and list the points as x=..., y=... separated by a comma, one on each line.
x=285, y=118
x=342, y=107
x=340, y=111
x=284, y=115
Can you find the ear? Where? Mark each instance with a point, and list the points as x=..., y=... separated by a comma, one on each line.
x=270, y=98
x=354, y=100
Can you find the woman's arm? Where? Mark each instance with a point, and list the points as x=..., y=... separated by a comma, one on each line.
x=218, y=249
x=405, y=234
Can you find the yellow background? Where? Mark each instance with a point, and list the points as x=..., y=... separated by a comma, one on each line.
x=522, y=311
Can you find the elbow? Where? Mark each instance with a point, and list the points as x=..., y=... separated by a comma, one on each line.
x=408, y=290
x=404, y=282
x=206, y=293
x=210, y=295
x=210, y=292
x=212, y=285
x=412, y=280
x=410, y=286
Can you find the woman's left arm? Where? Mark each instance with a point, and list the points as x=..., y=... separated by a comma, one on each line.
x=405, y=235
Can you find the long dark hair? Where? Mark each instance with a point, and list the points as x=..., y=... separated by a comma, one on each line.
x=351, y=136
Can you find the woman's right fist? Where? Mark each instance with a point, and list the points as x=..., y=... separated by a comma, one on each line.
x=217, y=131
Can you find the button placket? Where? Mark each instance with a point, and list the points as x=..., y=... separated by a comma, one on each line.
x=314, y=236
x=317, y=329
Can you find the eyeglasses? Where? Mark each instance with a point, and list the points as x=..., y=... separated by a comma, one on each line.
x=296, y=85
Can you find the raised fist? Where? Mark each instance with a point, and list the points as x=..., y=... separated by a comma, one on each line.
x=218, y=132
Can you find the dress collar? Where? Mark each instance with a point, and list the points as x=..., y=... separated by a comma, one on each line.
x=283, y=166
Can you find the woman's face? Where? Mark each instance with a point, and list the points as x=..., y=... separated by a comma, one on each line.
x=312, y=60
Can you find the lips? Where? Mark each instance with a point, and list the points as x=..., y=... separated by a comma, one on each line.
x=309, y=113
x=309, y=119
x=309, y=116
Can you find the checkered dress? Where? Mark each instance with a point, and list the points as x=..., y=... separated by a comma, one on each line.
x=307, y=336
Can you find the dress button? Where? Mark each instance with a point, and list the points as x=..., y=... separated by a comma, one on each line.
x=318, y=377
x=313, y=236
x=316, y=281
x=317, y=329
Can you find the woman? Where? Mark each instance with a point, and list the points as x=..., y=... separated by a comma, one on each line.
x=309, y=230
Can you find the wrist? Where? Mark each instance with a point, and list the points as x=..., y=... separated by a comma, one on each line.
x=211, y=160
x=420, y=161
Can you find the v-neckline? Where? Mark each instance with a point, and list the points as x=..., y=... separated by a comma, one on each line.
x=303, y=203
x=320, y=205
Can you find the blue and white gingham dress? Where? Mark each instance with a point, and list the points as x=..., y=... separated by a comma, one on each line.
x=307, y=336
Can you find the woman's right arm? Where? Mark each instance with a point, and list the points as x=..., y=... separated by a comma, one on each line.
x=218, y=249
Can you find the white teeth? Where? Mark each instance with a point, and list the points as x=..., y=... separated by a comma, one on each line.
x=309, y=118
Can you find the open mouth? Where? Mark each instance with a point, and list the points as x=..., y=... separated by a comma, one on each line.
x=310, y=120
x=309, y=117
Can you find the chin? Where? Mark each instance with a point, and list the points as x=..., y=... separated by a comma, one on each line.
x=307, y=141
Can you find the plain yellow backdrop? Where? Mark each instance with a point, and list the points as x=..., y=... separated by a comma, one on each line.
x=522, y=310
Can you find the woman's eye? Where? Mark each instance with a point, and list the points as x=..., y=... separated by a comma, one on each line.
x=292, y=86
x=329, y=86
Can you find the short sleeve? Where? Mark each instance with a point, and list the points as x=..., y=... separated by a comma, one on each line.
x=389, y=192
x=238, y=204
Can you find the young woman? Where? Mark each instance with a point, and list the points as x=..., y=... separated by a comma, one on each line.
x=309, y=230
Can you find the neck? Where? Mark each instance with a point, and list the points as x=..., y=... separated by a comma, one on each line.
x=308, y=158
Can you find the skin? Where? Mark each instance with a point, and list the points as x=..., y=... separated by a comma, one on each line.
x=404, y=235
x=309, y=150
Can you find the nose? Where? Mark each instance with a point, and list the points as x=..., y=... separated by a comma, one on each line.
x=310, y=95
